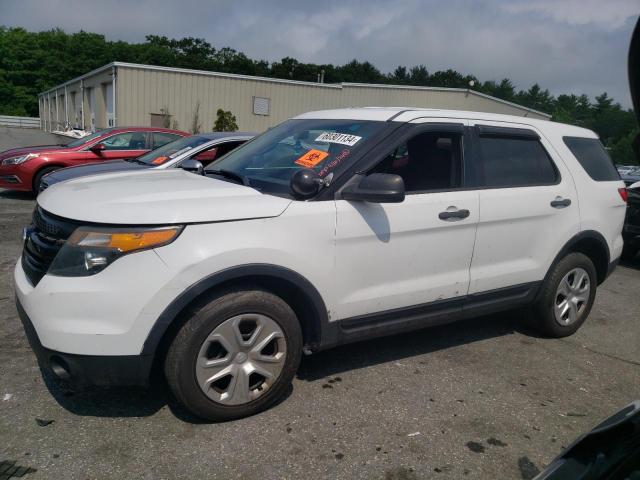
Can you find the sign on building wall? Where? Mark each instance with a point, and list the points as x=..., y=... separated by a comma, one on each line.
x=260, y=106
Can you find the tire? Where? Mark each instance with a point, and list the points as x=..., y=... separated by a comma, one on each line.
x=546, y=317
x=629, y=252
x=223, y=332
x=35, y=188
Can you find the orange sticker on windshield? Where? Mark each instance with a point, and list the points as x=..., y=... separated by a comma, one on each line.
x=312, y=158
x=159, y=160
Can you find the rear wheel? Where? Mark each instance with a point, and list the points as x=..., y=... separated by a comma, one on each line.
x=37, y=180
x=566, y=296
x=235, y=355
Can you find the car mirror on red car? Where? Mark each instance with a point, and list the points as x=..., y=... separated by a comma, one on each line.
x=98, y=147
x=206, y=156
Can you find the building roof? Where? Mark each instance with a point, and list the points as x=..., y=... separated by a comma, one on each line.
x=290, y=82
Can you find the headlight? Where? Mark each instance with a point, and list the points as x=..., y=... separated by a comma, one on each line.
x=90, y=250
x=19, y=159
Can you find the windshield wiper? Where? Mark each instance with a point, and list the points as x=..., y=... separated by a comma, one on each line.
x=228, y=174
x=135, y=160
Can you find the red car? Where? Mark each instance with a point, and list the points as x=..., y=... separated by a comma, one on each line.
x=23, y=168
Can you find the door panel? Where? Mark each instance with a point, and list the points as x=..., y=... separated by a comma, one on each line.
x=115, y=154
x=399, y=255
x=519, y=231
x=122, y=145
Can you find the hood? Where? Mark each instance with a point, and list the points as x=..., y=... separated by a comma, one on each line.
x=91, y=169
x=157, y=197
x=14, y=152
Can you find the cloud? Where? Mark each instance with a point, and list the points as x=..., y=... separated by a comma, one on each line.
x=569, y=46
x=608, y=14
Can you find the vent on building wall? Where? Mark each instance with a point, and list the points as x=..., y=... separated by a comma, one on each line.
x=260, y=106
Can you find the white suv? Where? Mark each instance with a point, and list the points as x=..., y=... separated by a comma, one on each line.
x=332, y=227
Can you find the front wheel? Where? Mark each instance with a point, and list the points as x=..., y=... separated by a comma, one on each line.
x=235, y=355
x=566, y=296
x=37, y=180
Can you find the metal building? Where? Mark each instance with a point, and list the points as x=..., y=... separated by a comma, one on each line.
x=131, y=94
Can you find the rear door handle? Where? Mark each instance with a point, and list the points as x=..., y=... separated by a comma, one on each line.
x=560, y=202
x=453, y=214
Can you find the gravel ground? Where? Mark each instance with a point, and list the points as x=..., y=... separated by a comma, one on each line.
x=485, y=398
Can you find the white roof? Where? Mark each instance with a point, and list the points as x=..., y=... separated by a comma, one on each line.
x=407, y=114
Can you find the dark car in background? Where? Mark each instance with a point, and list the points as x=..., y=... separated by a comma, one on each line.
x=204, y=148
x=22, y=169
x=631, y=176
x=631, y=229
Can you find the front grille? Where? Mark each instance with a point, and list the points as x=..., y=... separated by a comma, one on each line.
x=43, y=238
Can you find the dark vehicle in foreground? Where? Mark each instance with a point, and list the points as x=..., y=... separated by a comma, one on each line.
x=22, y=169
x=203, y=148
x=631, y=229
x=610, y=451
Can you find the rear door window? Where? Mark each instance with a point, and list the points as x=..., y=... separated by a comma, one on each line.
x=514, y=161
x=593, y=157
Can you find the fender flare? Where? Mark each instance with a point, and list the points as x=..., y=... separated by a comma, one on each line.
x=584, y=235
x=171, y=312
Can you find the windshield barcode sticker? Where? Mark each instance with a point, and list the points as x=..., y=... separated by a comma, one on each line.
x=341, y=138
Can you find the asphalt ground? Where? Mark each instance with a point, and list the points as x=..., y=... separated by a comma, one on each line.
x=484, y=398
x=21, y=137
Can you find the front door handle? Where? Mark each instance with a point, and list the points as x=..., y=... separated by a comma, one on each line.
x=453, y=214
x=560, y=202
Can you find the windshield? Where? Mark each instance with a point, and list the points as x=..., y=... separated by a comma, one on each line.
x=268, y=162
x=171, y=150
x=83, y=140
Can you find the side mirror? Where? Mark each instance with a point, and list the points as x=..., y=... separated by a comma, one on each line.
x=305, y=183
x=376, y=188
x=192, y=166
x=206, y=156
x=98, y=147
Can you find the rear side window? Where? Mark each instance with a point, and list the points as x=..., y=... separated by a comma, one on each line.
x=593, y=158
x=514, y=162
x=162, y=138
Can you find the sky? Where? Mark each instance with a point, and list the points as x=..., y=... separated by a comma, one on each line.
x=567, y=46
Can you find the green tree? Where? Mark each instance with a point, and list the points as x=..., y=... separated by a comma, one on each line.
x=399, y=75
x=419, y=75
x=536, y=98
x=622, y=150
x=225, y=121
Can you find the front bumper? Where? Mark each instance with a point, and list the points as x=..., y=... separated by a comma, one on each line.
x=110, y=313
x=87, y=370
x=13, y=178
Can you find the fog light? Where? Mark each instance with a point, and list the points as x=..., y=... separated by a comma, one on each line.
x=59, y=367
x=94, y=260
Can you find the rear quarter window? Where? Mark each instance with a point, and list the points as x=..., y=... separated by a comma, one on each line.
x=593, y=157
